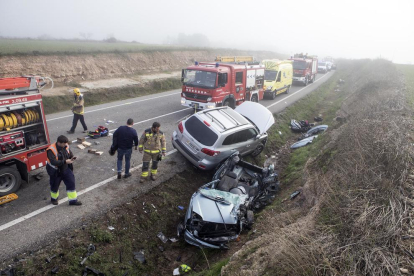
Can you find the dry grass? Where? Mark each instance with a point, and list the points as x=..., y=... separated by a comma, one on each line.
x=355, y=209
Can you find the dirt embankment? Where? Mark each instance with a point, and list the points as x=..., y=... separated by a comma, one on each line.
x=76, y=68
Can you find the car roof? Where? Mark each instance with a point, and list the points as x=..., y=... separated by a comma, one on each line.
x=222, y=119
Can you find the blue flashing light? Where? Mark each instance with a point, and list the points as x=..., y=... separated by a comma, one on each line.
x=217, y=64
x=196, y=63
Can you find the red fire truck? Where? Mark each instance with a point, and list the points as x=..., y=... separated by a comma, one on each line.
x=225, y=83
x=24, y=136
x=305, y=68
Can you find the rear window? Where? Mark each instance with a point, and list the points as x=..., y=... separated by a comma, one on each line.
x=199, y=131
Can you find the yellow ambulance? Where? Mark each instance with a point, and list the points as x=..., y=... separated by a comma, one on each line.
x=278, y=77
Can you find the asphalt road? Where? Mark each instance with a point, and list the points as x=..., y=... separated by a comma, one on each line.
x=31, y=221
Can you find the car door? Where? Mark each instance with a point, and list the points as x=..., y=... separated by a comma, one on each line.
x=249, y=135
x=235, y=142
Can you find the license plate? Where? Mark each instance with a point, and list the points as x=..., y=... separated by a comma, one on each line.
x=191, y=146
x=195, y=105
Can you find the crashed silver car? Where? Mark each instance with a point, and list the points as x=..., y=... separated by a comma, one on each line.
x=210, y=136
x=222, y=208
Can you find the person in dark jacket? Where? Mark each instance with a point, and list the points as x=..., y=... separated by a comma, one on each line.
x=59, y=167
x=125, y=137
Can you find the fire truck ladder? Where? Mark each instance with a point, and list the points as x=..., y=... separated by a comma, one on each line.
x=22, y=85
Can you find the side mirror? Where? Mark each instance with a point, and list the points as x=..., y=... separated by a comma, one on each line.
x=257, y=136
x=182, y=75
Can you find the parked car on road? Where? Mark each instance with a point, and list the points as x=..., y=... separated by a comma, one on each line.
x=221, y=209
x=210, y=136
x=322, y=67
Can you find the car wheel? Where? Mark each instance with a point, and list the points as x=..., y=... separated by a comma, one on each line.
x=258, y=150
x=254, y=99
x=273, y=95
x=10, y=180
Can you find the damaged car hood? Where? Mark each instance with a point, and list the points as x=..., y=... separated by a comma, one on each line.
x=223, y=208
x=258, y=114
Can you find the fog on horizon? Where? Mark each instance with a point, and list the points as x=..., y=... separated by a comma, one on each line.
x=352, y=29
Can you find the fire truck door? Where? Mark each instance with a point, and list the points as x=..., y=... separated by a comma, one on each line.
x=239, y=86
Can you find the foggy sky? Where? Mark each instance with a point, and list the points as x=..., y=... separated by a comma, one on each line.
x=350, y=29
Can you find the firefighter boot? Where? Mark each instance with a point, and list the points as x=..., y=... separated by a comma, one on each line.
x=153, y=177
x=142, y=180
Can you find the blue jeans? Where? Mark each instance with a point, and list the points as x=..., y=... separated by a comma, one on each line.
x=121, y=153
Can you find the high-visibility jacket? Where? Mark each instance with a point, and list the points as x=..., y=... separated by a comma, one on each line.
x=152, y=142
x=53, y=148
x=78, y=105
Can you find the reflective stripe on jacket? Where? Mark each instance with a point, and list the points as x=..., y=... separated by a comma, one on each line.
x=153, y=142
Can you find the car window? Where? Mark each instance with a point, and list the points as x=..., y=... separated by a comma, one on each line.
x=240, y=136
x=199, y=131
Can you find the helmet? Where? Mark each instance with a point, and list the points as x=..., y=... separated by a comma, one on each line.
x=76, y=91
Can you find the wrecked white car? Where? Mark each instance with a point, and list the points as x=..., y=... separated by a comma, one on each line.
x=221, y=209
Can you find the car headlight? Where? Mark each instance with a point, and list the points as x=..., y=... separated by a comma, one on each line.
x=210, y=106
x=182, y=101
x=209, y=99
x=270, y=87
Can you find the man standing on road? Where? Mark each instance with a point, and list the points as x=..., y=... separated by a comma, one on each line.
x=78, y=109
x=59, y=167
x=153, y=144
x=124, y=138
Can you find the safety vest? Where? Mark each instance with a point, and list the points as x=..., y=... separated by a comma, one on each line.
x=53, y=148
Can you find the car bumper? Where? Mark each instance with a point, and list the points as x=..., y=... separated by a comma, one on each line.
x=191, y=239
x=299, y=79
x=197, y=105
x=194, y=159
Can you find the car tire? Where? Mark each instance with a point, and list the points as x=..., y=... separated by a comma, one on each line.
x=10, y=180
x=273, y=95
x=258, y=150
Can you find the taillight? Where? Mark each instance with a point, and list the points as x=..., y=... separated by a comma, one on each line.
x=180, y=127
x=206, y=123
x=210, y=152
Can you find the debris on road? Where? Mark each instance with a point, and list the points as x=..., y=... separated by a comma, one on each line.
x=96, y=143
x=176, y=271
x=8, y=198
x=91, y=250
x=99, y=153
x=54, y=270
x=318, y=119
x=161, y=248
x=80, y=140
x=81, y=147
x=140, y=256
x=111, y=228
x=173, y=239
x=162, y=237
x=303, y=142
x=180, y=207
x=86, y=144
x=93, y=151
x=185, y=268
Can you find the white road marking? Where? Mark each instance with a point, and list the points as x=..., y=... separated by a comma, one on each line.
x=295, y=92
x=103, y=108
x=48, y=207
x=97, y=185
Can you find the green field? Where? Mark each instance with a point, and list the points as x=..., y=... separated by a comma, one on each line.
x=51, y=47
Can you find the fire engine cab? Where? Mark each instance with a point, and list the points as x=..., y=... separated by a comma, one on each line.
x=209, y=85
x=24, y=136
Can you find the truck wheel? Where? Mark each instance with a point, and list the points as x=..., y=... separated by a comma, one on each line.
x=10, y=180
x=255, y=99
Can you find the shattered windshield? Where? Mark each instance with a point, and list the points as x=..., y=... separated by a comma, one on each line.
x=299, y=65
x=223, y=197
x=197, y=78
x=270, y=75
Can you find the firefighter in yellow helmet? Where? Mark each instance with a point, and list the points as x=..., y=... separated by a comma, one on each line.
x=78, y=109
x=153, y=144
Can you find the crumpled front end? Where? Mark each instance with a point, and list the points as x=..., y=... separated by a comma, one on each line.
x=210, y=223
